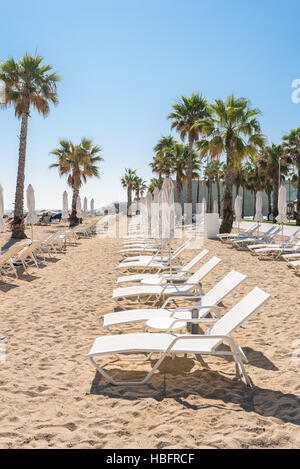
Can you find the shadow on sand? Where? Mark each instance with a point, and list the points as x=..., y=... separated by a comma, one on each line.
x=175, y=380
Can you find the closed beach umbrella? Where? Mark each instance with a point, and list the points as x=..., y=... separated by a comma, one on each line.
x=2, y=224
x=148, y=207
x=258, y=208
x=78, y=208
x=215, y=207
x=204, y=205
x=85, y=207
x=155, y=213
x=65, y=210
x=92, y=207
x=238, y=208
x=167, y=209
x=31, y=216
x=282, y=207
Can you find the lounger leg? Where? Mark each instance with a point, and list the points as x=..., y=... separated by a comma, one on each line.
x=128, y=383
x=245, y=359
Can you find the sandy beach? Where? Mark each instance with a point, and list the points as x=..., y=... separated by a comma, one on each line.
x=51, y=397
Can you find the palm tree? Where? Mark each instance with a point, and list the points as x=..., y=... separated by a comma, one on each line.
x=180, y=161
x=212, y=173
x=162, y=163
x=78, y=162
x=231, y=121
x=186, y=113
x=139, y=186
x=29, y=84
x=273, y=156
x=267, y=179
x=291, y=147
x=154, y=182
x=127, y=182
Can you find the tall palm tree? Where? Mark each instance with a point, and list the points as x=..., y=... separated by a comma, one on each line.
x=231, y=121
x=291, y=147
x=273, y=156
x=77, y=162
x=267, y=178
x=186, y=113
x=127, y=181
x=162, y=163
x=180, y=162
x=29, y=84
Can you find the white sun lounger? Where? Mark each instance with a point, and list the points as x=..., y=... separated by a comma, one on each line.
x=157, y=256
x=189, y=287
x=265, y=238
x=261, y=249
x=177, y=275
x=294, y=264
x=152, y=262
x=206, y=304
x=207, y=344
x=224, y=237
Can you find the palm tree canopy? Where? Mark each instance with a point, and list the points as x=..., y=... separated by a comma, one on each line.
x=180, y=161
x=29, y=83
x=79, y=162
x=291, y=145
x=186, y=112
x=129, y=178
x=231, y=121
x=164, y=144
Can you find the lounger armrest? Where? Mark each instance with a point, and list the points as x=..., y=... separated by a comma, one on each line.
x=184, y=297
x=233, y=345
x=212, y=308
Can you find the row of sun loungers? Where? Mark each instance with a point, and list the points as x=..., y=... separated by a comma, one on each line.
x=168, y=326
x=264, y=246
x=30, y=253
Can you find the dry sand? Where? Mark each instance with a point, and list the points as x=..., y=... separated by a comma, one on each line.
x=51, y=397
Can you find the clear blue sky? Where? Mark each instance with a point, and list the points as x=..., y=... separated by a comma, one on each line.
x=125, y=62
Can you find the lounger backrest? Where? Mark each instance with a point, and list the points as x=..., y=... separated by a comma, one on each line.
x=204, y=270
x=273, y=234
x=194, y=261
x=181, y=249
x=291, y=238
x=222, y=289
x=28, y=251
x=251, y=229
x=268, y=232
x=239, y=313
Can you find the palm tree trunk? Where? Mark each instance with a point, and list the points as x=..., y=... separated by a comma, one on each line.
x=219, y=194
x=227, y=220
x=129, y=200
x=178, y=198
x=209, y=196
x=275, y=197
x=159, y=181
x=269, y=203
x=178, y=189
x=18, y=228
x=298, y=194
x=74, y=220
x=190, y=170
x=243, y=203
x=254, y=204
